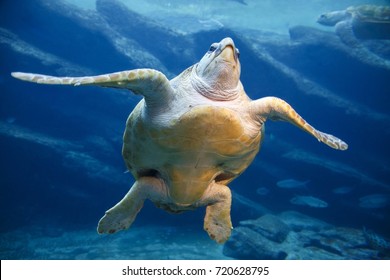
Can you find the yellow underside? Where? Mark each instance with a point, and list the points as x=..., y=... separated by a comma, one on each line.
x=205, y=144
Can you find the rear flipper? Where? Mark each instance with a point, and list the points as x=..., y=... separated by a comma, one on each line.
x=123, y=214
x=217, y=222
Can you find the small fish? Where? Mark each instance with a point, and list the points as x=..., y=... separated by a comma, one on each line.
x=374, y=201
x=262, y=191
x=342, y=190
x=308, y=201
x=291, y=184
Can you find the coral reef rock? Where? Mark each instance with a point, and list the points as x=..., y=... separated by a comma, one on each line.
x=292, y=235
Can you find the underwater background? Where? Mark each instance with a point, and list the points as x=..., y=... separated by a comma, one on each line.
x=61, y=166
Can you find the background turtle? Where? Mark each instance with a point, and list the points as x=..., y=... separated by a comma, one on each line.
x=365, y=22
x=190, y=136
x=360, y=22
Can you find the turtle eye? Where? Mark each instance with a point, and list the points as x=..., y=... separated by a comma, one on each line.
x=213, y=47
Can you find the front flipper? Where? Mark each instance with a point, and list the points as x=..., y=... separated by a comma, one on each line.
x=152, y=84
x=217, y=222
x=123, y=214
x=277, y=109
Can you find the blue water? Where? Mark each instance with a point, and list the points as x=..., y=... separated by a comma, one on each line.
x=61, y=164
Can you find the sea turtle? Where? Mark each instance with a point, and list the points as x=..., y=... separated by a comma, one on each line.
x=190, y=136
x=360, y=22
x=365, y=22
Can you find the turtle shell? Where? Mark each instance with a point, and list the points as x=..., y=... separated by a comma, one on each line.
x=371, y=13
x=371, y=22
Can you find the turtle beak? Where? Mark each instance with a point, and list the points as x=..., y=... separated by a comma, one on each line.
x=227, y=50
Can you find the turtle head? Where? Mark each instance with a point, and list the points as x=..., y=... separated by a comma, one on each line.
x=332, y=18
x=219, y=71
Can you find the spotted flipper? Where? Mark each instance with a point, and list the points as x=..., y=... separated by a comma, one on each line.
x=277, y=109
x=217, y=222
x=150, y=83
x=123, y=214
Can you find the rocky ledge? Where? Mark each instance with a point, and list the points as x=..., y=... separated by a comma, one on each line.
x=292, y=235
